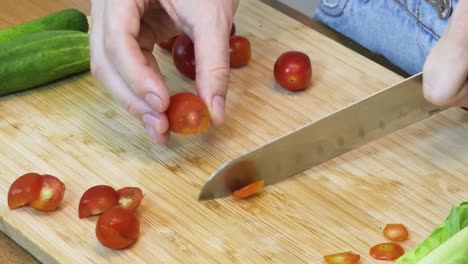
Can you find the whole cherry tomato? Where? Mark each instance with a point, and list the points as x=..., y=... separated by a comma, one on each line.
x=50, y=195
x=293, y=70
x=187, y=114
x=24, y=189
x=386, y=251
x=96, y=200
x=130, y=197
x=167, y=44
x=183, y=56
x=239, y=51
x=117, y=228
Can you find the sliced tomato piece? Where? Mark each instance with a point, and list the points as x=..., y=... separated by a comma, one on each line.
x=249, y=190
x=117, y=228
x=342, y=258
x=24, y=189
x=130, y=198
x=396, y=232
x=96, y=200
x=51, y=194
x=386, y=251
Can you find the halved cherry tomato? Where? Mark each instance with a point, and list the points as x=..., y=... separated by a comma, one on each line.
x=96, y=200
x=24, y=190
x=167, y=44
x=386, y=251
x=130, y=197
x=239, y=51
x=249, y=190
x=342, y=258
x=50, y=195
x=187, y=114
x=396, y=232
x=293, y=70
x=117, y=228
x=183, y=56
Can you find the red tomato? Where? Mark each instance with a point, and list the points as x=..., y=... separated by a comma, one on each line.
x=183, y=56
x=187, y=114
x=130, y=197
x=167, y=44
x=239, y=51
x=342, y=258
x=386, y=251
x=96, y=200
x=249, y=190
x=117, y=228
x=293, y=70
x=24, y=189
x=233, y=29
x=396, y=232
x=50, y=195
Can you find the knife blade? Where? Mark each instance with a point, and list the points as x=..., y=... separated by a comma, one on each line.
x=346, y=129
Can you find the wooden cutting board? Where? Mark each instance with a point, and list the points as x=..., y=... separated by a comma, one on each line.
x=73, y=129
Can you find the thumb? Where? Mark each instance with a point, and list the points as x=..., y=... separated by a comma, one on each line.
x=212, y=66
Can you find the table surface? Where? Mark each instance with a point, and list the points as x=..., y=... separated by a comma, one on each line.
x=19, y=11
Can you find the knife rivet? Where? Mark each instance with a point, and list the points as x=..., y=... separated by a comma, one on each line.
x=382, y=124
x=362, y=133
x=340, y=141
x=320, y=149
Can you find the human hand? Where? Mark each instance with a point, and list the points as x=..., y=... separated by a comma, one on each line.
x=445, y=71
x=123, y=34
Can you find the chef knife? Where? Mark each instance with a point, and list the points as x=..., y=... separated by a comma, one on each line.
x=362, y=122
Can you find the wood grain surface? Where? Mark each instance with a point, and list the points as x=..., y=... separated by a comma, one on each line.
x=76, y=131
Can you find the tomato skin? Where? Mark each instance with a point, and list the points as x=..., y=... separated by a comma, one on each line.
x=167, y=44
x=117, y=228
x=187, y=114
x=342, y=258
x=293, y=70
x=249, y=190
x=239, y=51
x=386, y=251
x=24, y=189
x=50, y=195
x=395, y=232
x=96, y=200
x=130, y=198
x=183, y=56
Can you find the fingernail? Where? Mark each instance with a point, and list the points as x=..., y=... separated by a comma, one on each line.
x=153, y=122
x=154, y=101
x=218, y=108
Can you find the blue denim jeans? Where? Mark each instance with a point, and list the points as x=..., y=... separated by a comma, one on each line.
x=403, y=31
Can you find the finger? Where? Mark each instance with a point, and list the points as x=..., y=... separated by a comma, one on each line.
x=445, y=70
x=104, y=71
x=158, y=122
x=212, y=71
x=126, y=55
x=444, y=74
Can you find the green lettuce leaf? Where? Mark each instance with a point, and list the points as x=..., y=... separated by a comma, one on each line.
x=453, y=251
x=452, y=225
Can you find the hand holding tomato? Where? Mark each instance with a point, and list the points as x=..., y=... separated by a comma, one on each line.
x=121, y=53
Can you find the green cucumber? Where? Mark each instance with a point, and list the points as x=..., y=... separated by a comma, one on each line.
x=66, y=19
x=41, y=58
